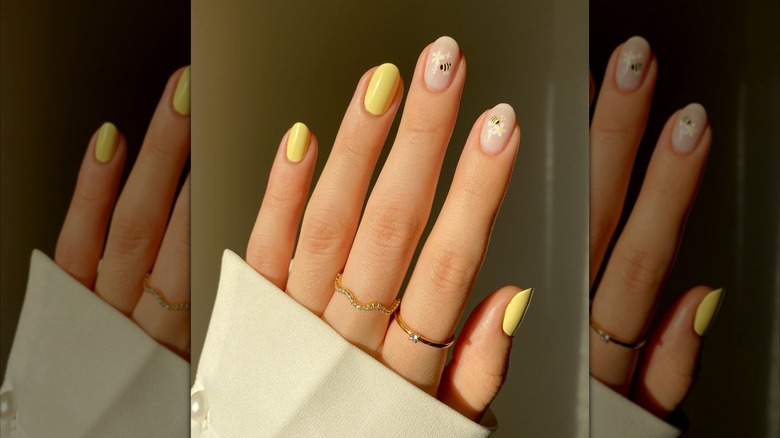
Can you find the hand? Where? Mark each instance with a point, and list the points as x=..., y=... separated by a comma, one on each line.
x=634, y=273
x=374, y=253
x=142, y=239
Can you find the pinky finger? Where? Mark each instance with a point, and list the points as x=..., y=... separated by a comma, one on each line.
x=272, y=241
x=672, y=357
x=83, y=233
x=479, y=363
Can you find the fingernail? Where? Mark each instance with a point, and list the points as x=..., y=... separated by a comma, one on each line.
x=381, y=89
x=443, y=59
x=105, y=148
x=498, y=127
x=706, y=312
x=298, y=142
x=687, y=131
x=515, y=311
x=632, y=64
x=181, y=98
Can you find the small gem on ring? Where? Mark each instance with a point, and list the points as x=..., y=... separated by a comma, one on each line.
x=414, y=337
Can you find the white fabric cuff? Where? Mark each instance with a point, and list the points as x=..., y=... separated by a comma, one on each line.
x=79, y=368
x=612, y=415
x=270, y=367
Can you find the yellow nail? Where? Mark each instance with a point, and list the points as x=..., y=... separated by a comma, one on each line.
x=515, y=311
x=298, y=142
x=381, y=89
x=706, y=312
x=106, y=143
x=181, y=98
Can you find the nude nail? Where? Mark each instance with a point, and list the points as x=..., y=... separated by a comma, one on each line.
x=632, y=64
x=497, y=128
x=443, y=59
x=688, y=128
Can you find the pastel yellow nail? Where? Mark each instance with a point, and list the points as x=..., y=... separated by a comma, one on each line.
x=381, y=90
x=706, y=312
x=298, y=142
x=515, y=311
x=106, y=144
x=181, y=98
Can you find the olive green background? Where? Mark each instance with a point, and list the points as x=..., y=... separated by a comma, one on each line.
x=258, y=67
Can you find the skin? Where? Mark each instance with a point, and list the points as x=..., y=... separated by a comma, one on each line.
x=625, y=299
x=375, y=252
x=142, y=236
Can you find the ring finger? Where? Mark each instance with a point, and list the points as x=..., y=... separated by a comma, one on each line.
x=626, y=297
x=453, y=253
x=400, y=202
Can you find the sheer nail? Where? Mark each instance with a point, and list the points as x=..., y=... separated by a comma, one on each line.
x=443, y=59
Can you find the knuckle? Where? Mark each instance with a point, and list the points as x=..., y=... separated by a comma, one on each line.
x=89, y=196
x=392, y=228
x=643, y=269
x=352, y=145
x=452, y=268
x=131, y=234
x=280, y=194
x=322, y=236
x=420, y=126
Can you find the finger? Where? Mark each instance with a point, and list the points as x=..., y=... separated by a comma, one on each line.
x=625, y=300
x=672, y=357
x=453, y=253
x=170, y=277
x=83, y=233
x=618, y=123
x=141, y=213
x=332, y=215
x=272, y=241
x=480, y=360
x=400, y=203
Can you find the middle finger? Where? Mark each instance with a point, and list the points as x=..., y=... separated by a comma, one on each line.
x=400, y=203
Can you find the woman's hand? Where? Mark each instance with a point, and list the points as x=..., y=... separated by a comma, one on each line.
x=374, y=253
x=144, y=237
x=634, y=273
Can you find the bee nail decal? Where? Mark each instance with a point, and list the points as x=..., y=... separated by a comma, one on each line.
x=496, y=126
x=687, y=126
x=688, y=129
x=442, y=63
x=632, y=62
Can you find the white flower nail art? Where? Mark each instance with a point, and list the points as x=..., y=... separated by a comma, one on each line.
x=496, y=126
x=441, y=62
x=631, y=61
x=687, y=126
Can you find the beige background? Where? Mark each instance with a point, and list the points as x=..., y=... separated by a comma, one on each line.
x=258, y=67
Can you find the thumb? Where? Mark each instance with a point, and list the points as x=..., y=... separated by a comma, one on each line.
x=672, y=358
x=479, y=362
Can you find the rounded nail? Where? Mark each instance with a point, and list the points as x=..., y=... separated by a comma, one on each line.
x=298, y=142
x=632, y=63
x=443, y=59
x=688, y=128
x=497, y=128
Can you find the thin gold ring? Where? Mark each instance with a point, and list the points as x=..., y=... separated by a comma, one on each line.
x=364, y=306
x=607, y=337
x=162, y=301
x=416, y=337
